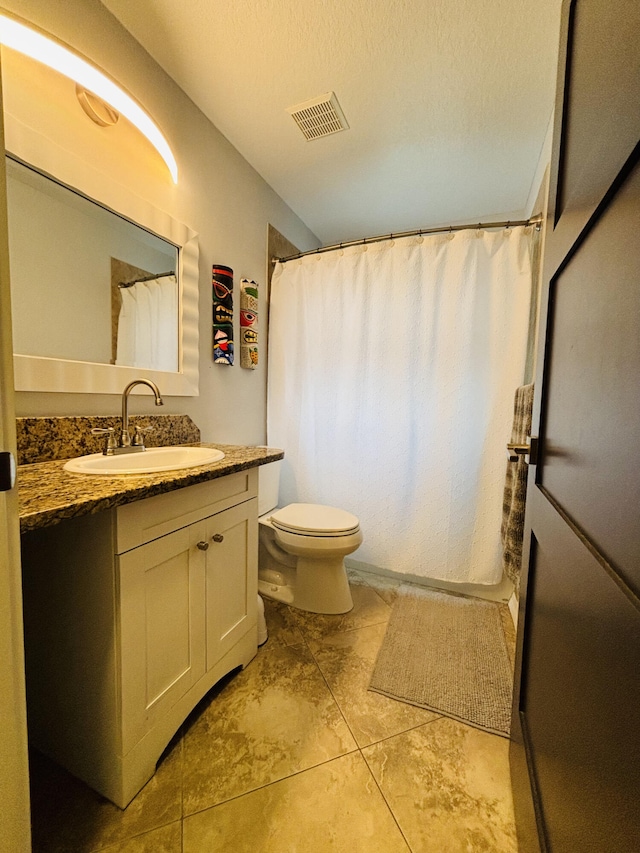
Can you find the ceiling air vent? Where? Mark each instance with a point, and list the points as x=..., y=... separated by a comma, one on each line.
x=319, y=117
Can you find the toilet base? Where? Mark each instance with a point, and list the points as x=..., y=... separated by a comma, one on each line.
x=315, y=589
x=322, y=586
x=263, y=634
x=279, y=592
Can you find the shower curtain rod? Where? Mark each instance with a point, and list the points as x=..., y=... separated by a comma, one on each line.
x=535, y=220
x=146, y=278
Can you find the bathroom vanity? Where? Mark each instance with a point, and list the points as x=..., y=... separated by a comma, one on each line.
x=134, y=611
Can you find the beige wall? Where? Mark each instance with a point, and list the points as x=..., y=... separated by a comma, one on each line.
x=218, y=195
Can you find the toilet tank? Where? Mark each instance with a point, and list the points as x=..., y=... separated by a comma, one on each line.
x=268, y=483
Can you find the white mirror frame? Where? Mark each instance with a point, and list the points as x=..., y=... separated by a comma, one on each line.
x=35, y=373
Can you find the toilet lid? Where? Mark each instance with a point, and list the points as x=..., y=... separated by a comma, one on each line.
x=315, y=519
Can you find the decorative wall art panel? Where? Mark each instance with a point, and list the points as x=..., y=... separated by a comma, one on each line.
x=222, y=295
x=248, y=324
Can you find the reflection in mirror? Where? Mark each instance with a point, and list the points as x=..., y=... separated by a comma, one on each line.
x=87, y=284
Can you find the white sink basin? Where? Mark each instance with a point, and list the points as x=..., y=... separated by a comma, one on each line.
x=145, y=462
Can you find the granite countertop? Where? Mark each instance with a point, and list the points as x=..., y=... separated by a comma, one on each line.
x=47, y=494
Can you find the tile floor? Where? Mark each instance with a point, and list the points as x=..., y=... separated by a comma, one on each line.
x=294, y=754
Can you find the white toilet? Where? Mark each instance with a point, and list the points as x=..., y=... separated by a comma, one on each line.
x=302, y=550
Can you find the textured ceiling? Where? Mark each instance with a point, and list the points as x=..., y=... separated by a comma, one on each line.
x=448, y=101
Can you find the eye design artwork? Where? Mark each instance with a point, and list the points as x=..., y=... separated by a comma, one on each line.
x=222, y=298
x=248, y=324
x=222, y=291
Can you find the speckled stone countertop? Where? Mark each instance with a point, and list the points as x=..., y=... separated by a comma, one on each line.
x=43, y=439
x=47, y=494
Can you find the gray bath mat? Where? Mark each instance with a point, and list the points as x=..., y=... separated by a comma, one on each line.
x=447, y=653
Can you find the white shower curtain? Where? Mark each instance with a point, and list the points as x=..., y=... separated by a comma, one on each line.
x=392, y=369
x=148, y=325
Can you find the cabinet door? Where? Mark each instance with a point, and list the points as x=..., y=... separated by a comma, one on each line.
x=162, y=626
x=232, y=577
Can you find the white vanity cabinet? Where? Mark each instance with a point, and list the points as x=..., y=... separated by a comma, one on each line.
x=132, y=615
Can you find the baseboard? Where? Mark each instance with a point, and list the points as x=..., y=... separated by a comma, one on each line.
x=497, y=592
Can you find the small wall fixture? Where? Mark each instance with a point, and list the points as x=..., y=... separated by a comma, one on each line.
x=98, y=110
x=37, y=46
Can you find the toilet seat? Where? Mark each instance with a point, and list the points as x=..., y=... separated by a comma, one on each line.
x=315, y=520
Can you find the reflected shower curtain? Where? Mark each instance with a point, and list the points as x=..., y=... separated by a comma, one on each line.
x=148, y=325
x=392, y=369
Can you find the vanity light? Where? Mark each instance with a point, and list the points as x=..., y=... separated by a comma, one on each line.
x=37, y=46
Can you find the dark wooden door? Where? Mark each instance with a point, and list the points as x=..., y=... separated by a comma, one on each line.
x=577, y=697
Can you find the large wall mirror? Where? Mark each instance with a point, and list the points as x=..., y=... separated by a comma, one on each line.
x=87, y=284
x=102, y=292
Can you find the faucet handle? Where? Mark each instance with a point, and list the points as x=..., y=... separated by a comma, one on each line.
x=111, y=440
x=138, y=439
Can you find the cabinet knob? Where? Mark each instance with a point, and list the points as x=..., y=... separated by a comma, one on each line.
x=202, y=546
x=218, y=537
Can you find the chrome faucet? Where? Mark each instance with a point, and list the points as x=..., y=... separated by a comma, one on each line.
x=125, y=444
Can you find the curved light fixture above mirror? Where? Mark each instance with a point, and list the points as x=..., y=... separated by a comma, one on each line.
x=37, y=46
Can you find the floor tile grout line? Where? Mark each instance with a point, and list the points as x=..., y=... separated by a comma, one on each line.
x=334, y=697
x=388, y=804
x=377, y=593
x=305, y=639
x=337, y=633
x=125, y=839
x=359, y=748
x=297, y=772
x=346, y=631
x=269, y=784
x=336, y=700
x=406, y=731
x=319, y=764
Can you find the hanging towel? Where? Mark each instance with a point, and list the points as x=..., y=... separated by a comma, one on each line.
x=515, y=489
